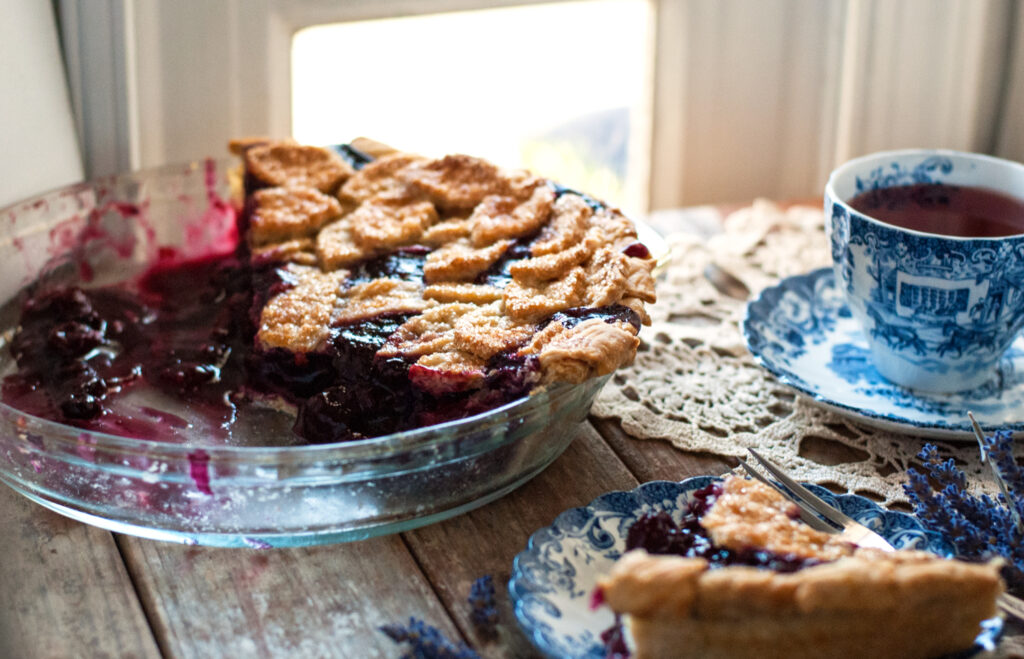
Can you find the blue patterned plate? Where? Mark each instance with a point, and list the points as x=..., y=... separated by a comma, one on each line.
x=553, y=578
x=803, y=332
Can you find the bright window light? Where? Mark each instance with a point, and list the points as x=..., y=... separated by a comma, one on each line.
x=555, y=88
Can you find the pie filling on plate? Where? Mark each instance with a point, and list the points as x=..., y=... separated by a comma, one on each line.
x=393, y=293
x=740, y=576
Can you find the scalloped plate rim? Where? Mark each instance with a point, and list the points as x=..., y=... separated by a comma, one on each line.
x=939, y=429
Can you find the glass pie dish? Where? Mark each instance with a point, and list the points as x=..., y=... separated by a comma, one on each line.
x=248, y=484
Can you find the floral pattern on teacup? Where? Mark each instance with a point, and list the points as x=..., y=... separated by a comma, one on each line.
x=944, y=305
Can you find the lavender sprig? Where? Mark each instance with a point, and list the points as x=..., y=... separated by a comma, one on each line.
x=1010, y=467
x=427, y=641
x=980, y=527
x=484, y=608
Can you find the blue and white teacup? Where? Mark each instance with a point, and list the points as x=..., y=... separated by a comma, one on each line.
x=938, y=311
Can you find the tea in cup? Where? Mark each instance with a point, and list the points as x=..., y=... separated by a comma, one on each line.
x=928, y=247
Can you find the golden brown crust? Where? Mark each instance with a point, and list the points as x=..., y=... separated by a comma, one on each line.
x=301, y=251
x=460, y=261
x=923, y=606
x=919, y=604
x=381, y=224
x=487, y=331
x=431, y=331
x=590, y=349
x=281, y=214
x=446, y=232
x=287, y=163
x=240, y=145
x=613, y=276
x=618, y=231
x=475, y=330
x=500, y=217
x=372, y=147
x=336, y=248
x=552, y=266
x=459, y=182
x=570, y=221
x=461, y=372
x=457, y=292
x=378, y=297
x=298, y=319
x=751, y=514
x=532, y=303
x=381, y=178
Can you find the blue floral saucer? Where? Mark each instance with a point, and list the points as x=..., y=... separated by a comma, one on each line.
x=803, y=332
x=554, y=577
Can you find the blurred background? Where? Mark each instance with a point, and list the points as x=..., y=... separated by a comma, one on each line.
x=650, y=104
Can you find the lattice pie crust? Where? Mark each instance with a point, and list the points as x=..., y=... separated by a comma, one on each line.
x=511, y=264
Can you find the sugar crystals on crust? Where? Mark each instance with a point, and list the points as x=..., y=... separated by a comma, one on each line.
x=382, y=223
x=459, y=183
x=285, y=163
x=497, y=217
x=298, y=319
x=287, y=213
x=382, y=179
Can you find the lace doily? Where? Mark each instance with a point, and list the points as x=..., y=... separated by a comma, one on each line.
x=695, y=384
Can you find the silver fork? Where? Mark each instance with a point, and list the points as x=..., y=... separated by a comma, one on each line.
x=810, y=506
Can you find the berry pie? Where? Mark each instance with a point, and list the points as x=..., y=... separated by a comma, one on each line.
x=741, y=577
x=371, y=292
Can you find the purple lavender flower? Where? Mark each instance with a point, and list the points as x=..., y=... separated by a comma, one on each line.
x=484, y=608
x=427, y=642
x=980, y=527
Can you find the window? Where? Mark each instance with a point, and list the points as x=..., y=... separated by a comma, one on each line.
x=554, y=88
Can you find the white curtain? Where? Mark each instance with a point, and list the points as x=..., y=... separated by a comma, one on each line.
x=38, y=146
x=765, y=98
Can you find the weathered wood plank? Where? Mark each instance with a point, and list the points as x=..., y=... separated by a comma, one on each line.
x=457, y=552
x=654, y=459
x=64, y=590
x=305, y=602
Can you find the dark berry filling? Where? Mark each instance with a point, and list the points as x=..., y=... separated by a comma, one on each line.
x=352, y=155
x=658, y=533
x=637, y=250
x=611, y=314
x=366, y=396
x=500, y=273
x=614, y=640
x=66, y=349
x=188, y=329
x=75, y=348
x=405, y=263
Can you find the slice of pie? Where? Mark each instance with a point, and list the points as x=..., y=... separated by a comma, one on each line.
x=742, y=577
x=413, y=290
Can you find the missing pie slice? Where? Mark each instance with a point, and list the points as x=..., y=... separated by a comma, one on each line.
x=741, y=577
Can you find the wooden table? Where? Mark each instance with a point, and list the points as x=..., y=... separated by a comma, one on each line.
x=70, y=590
